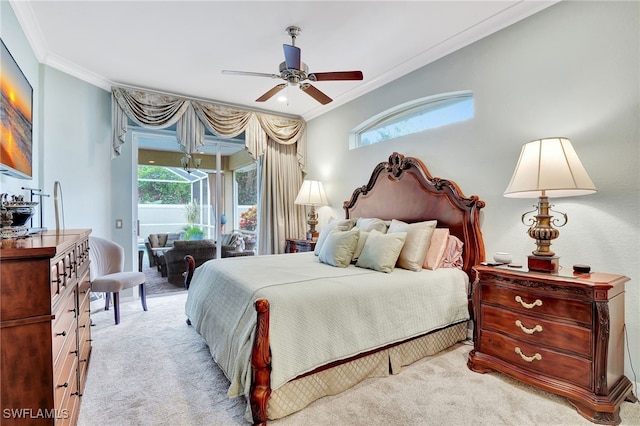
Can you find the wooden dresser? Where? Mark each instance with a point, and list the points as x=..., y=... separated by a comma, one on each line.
x=45, y=327
x=299, y=246
x=561, y=334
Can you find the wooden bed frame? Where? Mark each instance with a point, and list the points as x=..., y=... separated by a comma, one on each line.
x=400, y=188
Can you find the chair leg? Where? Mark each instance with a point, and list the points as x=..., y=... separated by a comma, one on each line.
x=107, y=299
x=116, y=306
x=143, y=296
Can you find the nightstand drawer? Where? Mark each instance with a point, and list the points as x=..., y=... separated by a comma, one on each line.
x=538, y=331
x=552, y=364
x=574, y=311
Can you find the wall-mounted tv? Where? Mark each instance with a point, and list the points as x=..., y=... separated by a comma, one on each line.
x=16, y=119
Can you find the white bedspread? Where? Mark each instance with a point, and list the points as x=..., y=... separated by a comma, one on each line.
x=318, y=314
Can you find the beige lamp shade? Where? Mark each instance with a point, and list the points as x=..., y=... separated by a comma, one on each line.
x=311, y=194
x=549, y=167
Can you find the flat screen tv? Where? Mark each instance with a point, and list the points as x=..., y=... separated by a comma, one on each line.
x=16, y=119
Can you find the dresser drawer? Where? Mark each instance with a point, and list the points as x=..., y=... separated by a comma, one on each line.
x=567, y=368
x=67, y=407
x=574, y=311
x=63, y=325
x=65, y=372
x=83, y=359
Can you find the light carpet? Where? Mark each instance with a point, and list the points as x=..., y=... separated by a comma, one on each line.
x=153, y=369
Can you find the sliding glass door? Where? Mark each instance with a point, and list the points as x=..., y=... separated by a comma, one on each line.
x=211, y=193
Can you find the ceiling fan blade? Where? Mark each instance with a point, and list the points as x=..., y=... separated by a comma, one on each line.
x=336, y=75
x=291, y=56
x=252, y=74
x=271, y=92
x=315, y=93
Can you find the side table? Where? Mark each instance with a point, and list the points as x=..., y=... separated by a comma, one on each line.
x=299, y=246
x=563, y=334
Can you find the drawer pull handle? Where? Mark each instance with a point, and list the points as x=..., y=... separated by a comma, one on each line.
x=64, y=333
x=537, y=328
x=538, y=302
x=536, y=357
x=63, y=385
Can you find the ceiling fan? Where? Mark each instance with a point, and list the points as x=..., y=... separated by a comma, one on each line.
x=295, y=72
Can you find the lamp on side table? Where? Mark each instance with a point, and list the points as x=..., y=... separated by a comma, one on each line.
x=547, y=168
x=312, y=194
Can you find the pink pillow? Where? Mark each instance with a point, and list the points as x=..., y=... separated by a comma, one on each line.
x=453, y=254
x=436, y=249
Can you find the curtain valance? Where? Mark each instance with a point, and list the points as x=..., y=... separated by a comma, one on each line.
x=155, y=110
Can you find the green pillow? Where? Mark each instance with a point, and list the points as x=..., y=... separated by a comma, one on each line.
x=381, y=251
x=338, y=247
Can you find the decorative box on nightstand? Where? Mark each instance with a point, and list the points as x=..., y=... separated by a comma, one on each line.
x=299, y=246
x=561, y=334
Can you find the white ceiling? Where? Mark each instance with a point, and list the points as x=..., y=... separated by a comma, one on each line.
x=181, y=47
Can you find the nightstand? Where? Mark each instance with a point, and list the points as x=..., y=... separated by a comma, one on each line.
x=563, y=334
x=299, y=246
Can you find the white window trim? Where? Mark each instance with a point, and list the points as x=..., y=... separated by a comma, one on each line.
x=416, y=104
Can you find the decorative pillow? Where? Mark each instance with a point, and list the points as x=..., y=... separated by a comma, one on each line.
x=452, y=257
x=237, y=242
x=225, y=239
x=344, y=224
x=436, y=248
x=369, y=224
x=338, y=248
x=162, y=239
x=158, y=240
x=381, y=251
x=361, y=241
x=415, y=247
x=153, y=240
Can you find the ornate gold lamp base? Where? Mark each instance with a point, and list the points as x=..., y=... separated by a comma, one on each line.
x=312, y=221
x=542, y=258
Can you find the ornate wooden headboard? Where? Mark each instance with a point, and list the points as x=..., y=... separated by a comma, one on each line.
x=403, y=189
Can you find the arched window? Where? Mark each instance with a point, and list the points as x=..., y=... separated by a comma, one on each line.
x=412, y=117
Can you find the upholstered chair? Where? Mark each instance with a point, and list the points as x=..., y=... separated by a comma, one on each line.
x=201, y=250
x=107, y=273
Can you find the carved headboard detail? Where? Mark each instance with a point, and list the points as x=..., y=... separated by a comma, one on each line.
x=403, y=189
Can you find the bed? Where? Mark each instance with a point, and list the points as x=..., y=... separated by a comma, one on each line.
x=289, y=329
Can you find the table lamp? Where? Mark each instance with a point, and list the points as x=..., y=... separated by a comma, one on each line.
x=547, y=168
x=312, y=194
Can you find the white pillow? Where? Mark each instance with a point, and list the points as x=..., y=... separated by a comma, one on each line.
x=381, y=251
x=415, y=247
x=436, y=249
x=338, y=248
x=361, y=241
x=369, y=224
x=344, y=224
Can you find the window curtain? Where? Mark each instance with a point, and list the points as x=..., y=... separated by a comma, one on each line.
x=268, y=137
x=279, y=218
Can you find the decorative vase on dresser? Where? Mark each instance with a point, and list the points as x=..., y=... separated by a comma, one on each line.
x=45, y=327
x=563, y=334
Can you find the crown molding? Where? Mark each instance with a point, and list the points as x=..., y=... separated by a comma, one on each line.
x=499, y=21
x=29, y=24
